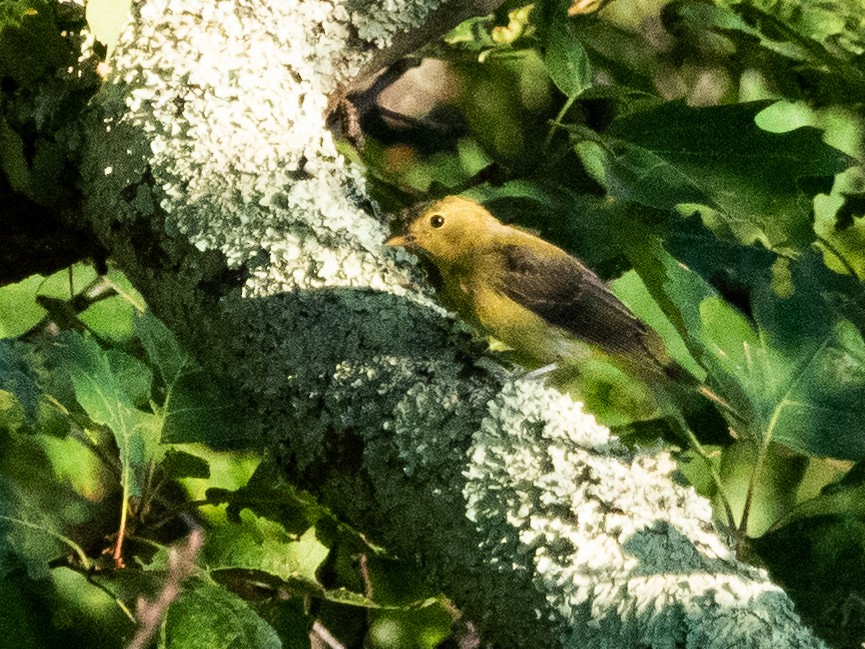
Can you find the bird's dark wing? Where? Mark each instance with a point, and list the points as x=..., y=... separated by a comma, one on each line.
x=570, y=296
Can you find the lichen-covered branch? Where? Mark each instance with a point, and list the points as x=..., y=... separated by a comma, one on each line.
x=212, y=180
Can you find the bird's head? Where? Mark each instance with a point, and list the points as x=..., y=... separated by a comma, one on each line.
x=447, y=230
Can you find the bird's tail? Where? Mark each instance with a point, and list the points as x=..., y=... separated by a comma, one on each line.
x=679, y=381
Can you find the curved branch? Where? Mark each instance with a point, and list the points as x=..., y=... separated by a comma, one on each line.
x=248, y=236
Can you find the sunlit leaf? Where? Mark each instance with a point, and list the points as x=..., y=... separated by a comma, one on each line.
x=255, y=543
x=269, y=495
x=110, y=319
x=718, y=157
x=83, y=614
x=207, y=616
x=796, y=374
x=100, y=391
x=106, y=19
x=18, y=308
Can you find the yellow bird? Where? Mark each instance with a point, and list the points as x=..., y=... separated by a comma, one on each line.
x=531, y=295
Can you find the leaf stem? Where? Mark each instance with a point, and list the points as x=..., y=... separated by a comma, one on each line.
x=124, y=513
x=136, y=304
x=116, y=599
x=713, y=472
x=556, y=122
x=758, y=466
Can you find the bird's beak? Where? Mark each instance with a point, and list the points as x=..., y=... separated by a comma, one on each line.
x=403, y=240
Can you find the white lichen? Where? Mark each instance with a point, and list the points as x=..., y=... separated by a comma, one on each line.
x=214, y=128
x=388, y=18
x=231, y=98
x=621, y=551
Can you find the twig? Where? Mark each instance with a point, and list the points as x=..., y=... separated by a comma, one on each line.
x=181, y=565
x=448, y=15
x=117, y=555
x=319, y=632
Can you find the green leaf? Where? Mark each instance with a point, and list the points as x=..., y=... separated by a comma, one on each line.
x=305, y=556
x=289, y=619
x=134, y=377
x=759, y=183
x=270, y=495
x=200, y=409
x=796, y=375
x=37, y=506
x=813, y=37
x=19, y=618
x=423, y=629
x=817, y=397
x=732, y=268
x=566, y=59
x=630, y=289
x=207, y=616
x=18, y=377
x=704, y=15
x=852, y=208
x=13, y=163
x=76, y=465
x=179, y=464
x=582, y=224
x=229, y=470
x=472, y=34
x=255, y=543
x=843, y=498
x=100, y=391
x=80, y=614
x=820, y=563
x=48, y=166
x=162, y=348
x=18, y=308
x=31, y=45
x=110, y=319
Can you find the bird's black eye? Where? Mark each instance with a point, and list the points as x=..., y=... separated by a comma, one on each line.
x=436, y=220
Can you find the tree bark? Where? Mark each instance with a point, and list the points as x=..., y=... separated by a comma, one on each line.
x=212, y=180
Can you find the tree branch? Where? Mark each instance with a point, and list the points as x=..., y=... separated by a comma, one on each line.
x=247, y=234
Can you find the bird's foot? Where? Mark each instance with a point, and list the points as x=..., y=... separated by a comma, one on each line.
x=541, y=371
